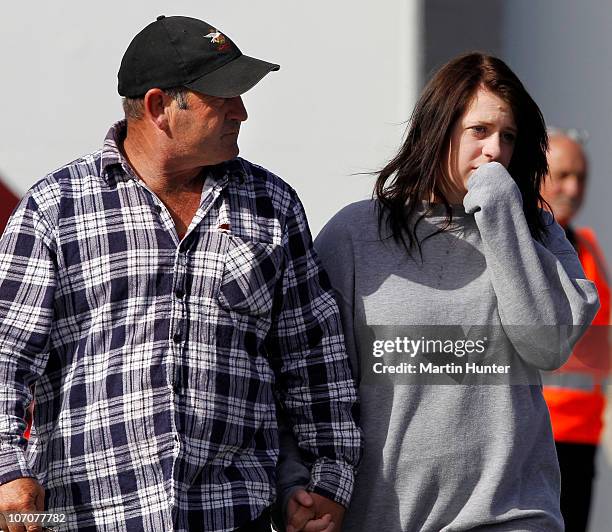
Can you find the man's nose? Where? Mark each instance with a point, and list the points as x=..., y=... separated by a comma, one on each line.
x=237, y=109
x=572, y=186
x=492, y=147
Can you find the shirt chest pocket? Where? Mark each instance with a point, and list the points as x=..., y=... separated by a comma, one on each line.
x=251, y=272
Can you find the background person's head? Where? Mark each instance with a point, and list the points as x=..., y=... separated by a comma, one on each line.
x=442, y=148
x=564, y=186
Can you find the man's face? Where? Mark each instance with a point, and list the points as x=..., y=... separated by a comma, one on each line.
x=206, y=133
x=564, y=187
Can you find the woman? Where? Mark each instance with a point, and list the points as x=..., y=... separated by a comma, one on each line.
x=455, y=237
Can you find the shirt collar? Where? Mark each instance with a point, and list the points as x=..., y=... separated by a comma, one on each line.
x=111, y=154
x=112, y=157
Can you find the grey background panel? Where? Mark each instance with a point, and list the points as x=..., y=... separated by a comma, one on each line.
x=454, y=27
x=561, y=51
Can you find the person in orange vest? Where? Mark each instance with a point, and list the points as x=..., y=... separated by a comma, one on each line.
x=574, y=393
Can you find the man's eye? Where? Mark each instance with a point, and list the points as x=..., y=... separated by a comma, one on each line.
x=214, y=101
x=479, y=130
x=509, y=137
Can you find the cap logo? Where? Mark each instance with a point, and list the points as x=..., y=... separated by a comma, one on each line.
x=217, y=38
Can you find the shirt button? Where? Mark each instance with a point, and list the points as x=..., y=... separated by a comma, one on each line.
x=177, y=338
x=179, y=294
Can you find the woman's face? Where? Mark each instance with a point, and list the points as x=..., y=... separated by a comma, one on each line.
x=485, y=133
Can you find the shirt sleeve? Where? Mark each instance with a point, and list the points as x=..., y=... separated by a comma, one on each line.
x=27, y=286
x=545, y=302
x=316, y=390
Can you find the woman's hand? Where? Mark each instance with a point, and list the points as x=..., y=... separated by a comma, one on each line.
x=489, y=184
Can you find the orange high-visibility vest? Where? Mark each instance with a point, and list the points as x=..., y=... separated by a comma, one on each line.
x=574, y=393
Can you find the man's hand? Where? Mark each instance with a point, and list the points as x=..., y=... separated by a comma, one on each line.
x=310, y=512
x=23, y=495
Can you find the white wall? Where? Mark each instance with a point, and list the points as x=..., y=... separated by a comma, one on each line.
x=336, y=107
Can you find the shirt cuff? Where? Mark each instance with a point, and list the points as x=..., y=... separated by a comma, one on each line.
x=332, y=480
x=13, y=464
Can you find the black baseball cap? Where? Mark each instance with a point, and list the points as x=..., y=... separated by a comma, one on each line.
x=184, y=51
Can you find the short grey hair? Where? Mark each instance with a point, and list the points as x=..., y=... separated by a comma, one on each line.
x=580, y=136
x=134, y=107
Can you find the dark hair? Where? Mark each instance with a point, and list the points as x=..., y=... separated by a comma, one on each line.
x=412, y=174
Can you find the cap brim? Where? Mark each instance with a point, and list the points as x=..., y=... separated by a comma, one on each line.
x=234, y=78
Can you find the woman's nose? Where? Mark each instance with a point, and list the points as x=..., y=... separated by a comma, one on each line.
x=492, y=147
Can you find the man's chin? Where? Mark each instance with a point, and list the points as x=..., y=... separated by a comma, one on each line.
x=228, y=155
x=563, y=214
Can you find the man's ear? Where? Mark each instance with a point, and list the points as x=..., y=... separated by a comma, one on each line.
x=156, y=107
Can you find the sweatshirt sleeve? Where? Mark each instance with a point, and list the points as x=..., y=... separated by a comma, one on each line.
x=545, y=303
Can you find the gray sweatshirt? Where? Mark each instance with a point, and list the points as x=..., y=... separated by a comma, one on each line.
x=455, y=457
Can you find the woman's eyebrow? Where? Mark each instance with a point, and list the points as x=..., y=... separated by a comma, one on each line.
x=485, y=122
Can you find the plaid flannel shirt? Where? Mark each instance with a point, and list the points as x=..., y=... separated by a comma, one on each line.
x=155, y=364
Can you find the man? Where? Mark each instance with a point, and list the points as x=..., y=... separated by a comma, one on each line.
x=160, y=295
x=574, y=394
